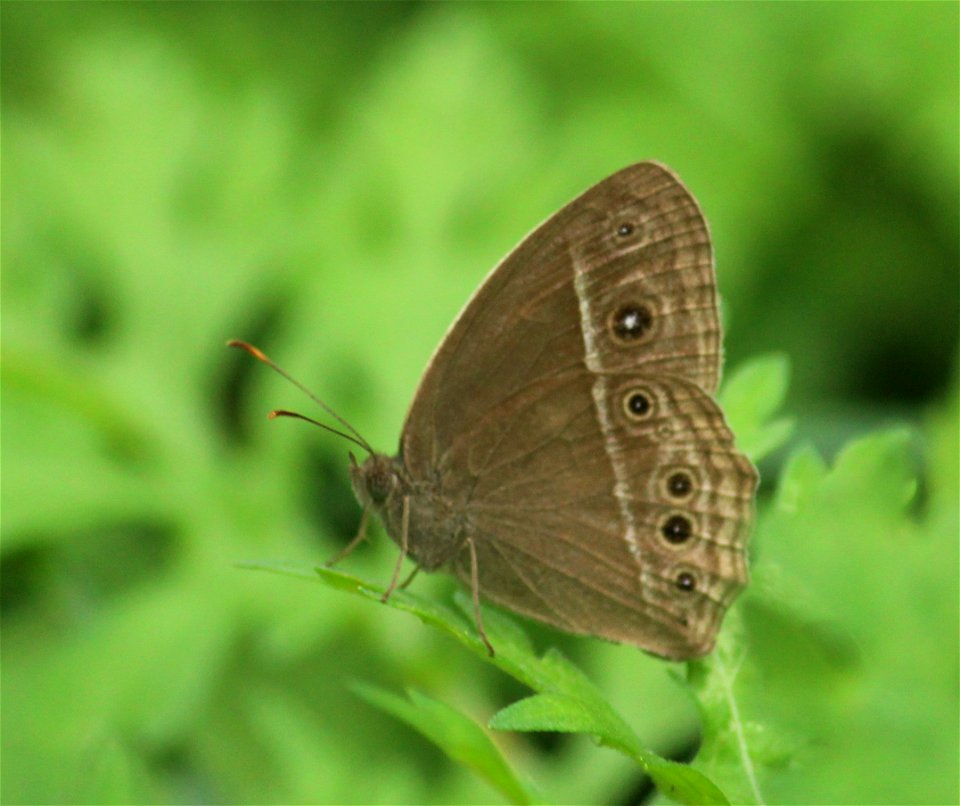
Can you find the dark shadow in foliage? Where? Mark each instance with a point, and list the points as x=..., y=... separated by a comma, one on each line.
x=235, y=373
x=57, y=573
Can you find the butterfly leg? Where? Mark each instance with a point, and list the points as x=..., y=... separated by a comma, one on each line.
x=410, y=577
x=361, y=536
x=475, y=587
x=404, y=532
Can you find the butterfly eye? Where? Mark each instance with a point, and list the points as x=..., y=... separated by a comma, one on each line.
x=685, y=581
x=637, y=405
x=676, y=529
x=379, y=484
x=625, y=230
x=630, y=322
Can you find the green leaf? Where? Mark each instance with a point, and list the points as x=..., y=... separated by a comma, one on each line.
x=728, y=740
x=750, y=397
x=555, y=676
x=569, y=698
x=547, y=712
x=844, y=593
x=554, y=711
x=803, y=470
x=456, y=734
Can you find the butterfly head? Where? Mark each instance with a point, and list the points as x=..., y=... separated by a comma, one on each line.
x=375, y=480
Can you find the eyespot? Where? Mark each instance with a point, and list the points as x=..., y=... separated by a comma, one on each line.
x=677, y=529
x=679, y=485
x=626, y=229
x=686, y=582
x=630, y=322
x=637, y=405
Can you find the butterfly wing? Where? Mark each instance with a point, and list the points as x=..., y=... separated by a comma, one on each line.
x=633, y=532
x=524, y=422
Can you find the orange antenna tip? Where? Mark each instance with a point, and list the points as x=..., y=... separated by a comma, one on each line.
x=261, y=356
x=256, y=353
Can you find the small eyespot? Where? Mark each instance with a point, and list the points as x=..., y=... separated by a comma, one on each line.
x=637, y=405
x=686, y=582
x=679, y=484
x=677, y=529
x=630, y=322
x=625, y=229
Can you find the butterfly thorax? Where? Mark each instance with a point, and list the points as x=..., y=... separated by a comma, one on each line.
x=436, y=529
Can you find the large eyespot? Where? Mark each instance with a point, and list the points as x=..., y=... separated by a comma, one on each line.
x=637, y=404
x=626, y=229
x=678, y=485
x=685, y=581
x=676, y=529
x=630, y=322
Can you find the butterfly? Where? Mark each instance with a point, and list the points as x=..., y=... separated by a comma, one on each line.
x=564, y=454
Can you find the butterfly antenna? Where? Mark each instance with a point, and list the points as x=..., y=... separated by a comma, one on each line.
x=297, y=416
x=261, y=356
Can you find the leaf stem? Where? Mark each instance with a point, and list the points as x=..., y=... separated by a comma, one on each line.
x=744, y=751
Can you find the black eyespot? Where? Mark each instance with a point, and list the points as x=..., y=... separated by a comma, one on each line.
x=679, y=485
x=630, y=322
x=686, y=582
x=625, y=229
x=677, y=529
x=637, y=405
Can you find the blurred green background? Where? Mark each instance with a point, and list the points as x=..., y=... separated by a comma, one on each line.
x=331, y=181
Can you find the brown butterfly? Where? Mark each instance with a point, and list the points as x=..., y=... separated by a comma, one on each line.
x=564, y=455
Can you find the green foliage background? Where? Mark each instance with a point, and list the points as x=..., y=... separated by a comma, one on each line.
x=331, y=181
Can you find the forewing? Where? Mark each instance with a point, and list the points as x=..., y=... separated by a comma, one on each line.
x=525, y=320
